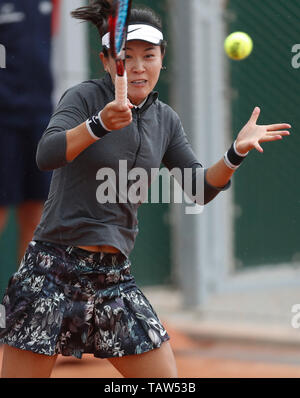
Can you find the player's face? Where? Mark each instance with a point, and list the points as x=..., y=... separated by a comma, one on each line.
x=143, y=66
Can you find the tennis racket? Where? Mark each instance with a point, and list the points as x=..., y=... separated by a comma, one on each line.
x=118, y=26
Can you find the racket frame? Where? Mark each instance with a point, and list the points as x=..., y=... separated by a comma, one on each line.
x=119, y=57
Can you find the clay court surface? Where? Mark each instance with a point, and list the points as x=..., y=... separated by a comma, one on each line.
x=201, y=359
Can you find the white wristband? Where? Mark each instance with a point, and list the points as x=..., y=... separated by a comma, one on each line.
x=238, y=153
x=96, y=127
x=229, y=164
x=90, y=131
x=101, y=121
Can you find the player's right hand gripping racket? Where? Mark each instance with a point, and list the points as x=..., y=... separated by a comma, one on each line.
x=118, y=26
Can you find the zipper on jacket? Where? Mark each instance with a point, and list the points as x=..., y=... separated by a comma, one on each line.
x=140, y=138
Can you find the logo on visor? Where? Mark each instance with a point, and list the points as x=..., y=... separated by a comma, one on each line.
x=131, y=31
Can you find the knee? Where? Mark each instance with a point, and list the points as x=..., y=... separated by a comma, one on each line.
x=171, y=371
x=170, y=366
x=173, y=374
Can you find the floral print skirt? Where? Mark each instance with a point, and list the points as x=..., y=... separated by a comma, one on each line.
x=66, y=300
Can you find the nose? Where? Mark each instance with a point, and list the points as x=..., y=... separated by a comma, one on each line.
x=138, y=66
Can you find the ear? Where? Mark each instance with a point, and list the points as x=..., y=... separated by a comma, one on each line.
x=104, y=61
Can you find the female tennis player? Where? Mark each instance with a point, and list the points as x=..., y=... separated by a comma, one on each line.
x=74, y=293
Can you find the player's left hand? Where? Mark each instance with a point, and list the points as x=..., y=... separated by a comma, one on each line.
x=252, y=134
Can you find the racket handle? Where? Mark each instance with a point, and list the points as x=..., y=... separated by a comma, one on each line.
x=121, y=89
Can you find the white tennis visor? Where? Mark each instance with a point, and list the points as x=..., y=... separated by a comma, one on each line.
x=139, y=32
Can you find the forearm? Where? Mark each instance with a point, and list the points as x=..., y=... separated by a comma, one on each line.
x=112, y=117
x=219, y=174
x=78, y=139
x=70, y=131
x=58, y=148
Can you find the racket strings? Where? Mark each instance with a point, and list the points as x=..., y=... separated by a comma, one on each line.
x=119, y=24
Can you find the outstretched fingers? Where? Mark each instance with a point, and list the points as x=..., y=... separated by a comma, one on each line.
x=281, y=126
x=281, y=133
x=255, y=115
x=258, y=147
x=271, y=136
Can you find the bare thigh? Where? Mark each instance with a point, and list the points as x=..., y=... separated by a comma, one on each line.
x=26, y=364
x=157, y=363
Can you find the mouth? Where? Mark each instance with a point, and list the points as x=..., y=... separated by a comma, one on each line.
x=139, y=83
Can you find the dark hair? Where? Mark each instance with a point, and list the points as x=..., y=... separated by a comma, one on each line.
x=98, y=12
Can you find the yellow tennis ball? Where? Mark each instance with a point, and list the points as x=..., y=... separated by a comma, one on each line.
x=238, y=45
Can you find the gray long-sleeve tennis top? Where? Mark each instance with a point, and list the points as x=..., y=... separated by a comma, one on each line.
x=73, y=214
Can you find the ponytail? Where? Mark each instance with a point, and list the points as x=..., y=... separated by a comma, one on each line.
x=97, y=13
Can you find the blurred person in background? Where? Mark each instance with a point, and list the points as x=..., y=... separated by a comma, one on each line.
x=25, y=109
